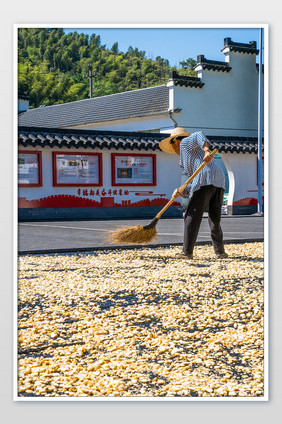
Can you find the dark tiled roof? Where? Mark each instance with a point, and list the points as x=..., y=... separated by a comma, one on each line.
x=234, y=144
x=185, y=81
x=212, y=65
x=143, y=102
x=250, y=48
x=67, y=138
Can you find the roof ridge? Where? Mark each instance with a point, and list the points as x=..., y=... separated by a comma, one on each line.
x=202, y=59
x=212, y=65
x=235, y=46
x=95, y=98
x=120, y=140
x=24, y=128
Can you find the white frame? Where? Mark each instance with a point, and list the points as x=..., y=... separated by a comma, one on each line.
x=266, y=212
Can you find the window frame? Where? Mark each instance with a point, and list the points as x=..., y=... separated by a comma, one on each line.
x=54, y=162
x=40, y=180
x=117, y=184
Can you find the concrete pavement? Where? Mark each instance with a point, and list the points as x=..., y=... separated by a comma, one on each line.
x=67, y=236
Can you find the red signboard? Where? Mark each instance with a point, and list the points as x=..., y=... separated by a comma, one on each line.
x=29, y=168
x=76, y=169
x=133, y=169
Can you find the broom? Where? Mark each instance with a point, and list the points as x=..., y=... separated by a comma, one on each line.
x=144, y=234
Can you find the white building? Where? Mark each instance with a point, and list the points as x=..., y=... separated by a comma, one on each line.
x=222, y=102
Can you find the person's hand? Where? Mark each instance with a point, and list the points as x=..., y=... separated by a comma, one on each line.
x=176, y=193
x=208, y=158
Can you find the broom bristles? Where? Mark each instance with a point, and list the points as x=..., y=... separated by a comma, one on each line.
x=132, y=235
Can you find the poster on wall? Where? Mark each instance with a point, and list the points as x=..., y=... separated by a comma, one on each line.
x=72, y=169
x=133, y=169
x=29, y=169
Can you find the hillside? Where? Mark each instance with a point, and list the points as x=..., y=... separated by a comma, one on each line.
x=53, y=67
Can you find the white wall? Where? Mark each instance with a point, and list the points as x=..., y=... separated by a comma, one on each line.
x=228, y=102
x=242, y=173
x=152, y=123
x=168, y=175
x=226, y=106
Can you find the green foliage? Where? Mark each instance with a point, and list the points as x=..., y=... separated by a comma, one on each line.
x=53, y=67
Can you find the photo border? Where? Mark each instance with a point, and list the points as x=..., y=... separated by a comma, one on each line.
x=266, y=208
x=54, y=169
x=39, y=155
x=116, y=184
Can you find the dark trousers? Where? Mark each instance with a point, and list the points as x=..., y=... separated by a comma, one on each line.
x=206, y=197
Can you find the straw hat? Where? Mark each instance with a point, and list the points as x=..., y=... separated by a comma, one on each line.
x=166, y=145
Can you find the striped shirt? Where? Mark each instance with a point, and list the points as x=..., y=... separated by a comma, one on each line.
x=191, y=157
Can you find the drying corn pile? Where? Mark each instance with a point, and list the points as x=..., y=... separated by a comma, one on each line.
x=139, y=323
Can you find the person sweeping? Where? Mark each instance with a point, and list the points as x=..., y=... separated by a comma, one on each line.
x=205, y=191
x=139, y=234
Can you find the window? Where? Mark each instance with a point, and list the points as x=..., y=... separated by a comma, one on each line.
x=135, y=170
x=29, y=168
x=75, y=169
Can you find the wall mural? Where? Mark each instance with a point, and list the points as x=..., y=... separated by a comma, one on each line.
x=101, y=198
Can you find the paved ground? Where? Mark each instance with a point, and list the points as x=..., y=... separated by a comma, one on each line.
x=60, y=236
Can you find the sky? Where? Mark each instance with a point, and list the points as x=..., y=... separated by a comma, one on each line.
x=174, y=44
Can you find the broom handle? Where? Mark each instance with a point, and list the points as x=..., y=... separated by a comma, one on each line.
x=181, y=189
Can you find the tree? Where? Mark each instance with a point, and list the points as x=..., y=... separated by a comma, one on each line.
x=115, y=48
x=188, y=66
x=52, y=66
